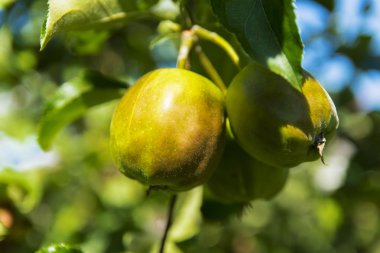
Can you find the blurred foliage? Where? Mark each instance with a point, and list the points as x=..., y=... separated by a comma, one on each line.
x=74, y=194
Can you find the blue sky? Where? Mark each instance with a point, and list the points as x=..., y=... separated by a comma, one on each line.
x=24, y=154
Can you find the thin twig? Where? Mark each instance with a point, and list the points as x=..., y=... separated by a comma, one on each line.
x=210, y=69
x=187, y=41
x=169, y=222
x=218, y=40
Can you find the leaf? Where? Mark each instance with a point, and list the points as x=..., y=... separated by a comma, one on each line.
x=59, y=248
x=24, y=188
x=5, y=3
x=7, y=68
x=268, y=31
x=187, y=217
x=70, y=15
x=72, y=100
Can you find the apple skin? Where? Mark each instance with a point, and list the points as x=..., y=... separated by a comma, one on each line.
x=168, y=130
x=274, y=122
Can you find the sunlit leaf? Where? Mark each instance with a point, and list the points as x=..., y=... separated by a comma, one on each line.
x=6, y=3
x=72, y=100
x=59, y=248
x=70, y=15
x=268, y=32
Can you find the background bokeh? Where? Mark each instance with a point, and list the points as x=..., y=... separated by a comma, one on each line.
x=74, y=194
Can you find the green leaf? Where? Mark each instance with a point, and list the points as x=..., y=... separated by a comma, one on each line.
x=186, y=220
x=70, y=15
x=6, y=54
x=187, y=216
x=23, y=188
x=59, y=248
x=268, y=32
x=72, y=100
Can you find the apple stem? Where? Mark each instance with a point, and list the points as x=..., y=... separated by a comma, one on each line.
x=187, y=42
x=188, y=39
x=169, y=222
x=219, y=41
x=209, y=67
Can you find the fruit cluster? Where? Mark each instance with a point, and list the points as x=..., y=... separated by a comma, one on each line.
x=174, y=130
